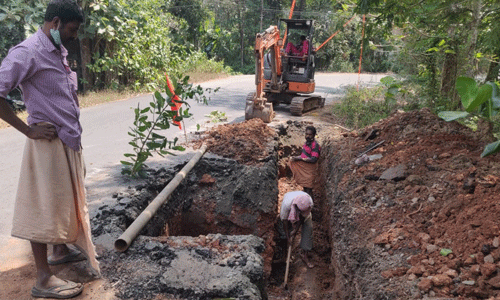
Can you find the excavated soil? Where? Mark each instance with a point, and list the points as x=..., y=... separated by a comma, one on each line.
x=235, y=193
x=416, y=218
x=422, y=220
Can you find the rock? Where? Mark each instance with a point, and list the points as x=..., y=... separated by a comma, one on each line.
x=486, y=249
x=431, y=261
x=470, y=260
x=414, y=180
x=423, y=237
x=412, y=277
x=394, y=173
x=431, y=248
x=387, y=274
x=382, y=239
x=417, y=270
x=496, y=242
x=375, y=157
x=489, y=259
x=469, y=282
x=362, y=160
x=488, y=269
x=441, y=280
x=431, y=199
x=425, y=284
x=451, y=273
x=475, y=270
x=495, y=282
x=206, y=179
x=399, y=271
x=444, y=155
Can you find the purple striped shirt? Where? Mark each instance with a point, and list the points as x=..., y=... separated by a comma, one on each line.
x=48, y=84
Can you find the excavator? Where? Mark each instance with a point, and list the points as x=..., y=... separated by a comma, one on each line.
x=282, y=77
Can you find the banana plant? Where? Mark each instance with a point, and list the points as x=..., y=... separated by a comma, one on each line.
x=478, y=100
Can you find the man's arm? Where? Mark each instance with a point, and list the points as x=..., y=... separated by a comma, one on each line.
x=33, y=132
x=309, y=159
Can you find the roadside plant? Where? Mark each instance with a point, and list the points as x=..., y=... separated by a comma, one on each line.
x=479, y=101
x=149, y=123
x=217, y=116
x=394, y=87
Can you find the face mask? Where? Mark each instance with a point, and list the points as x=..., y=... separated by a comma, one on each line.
x=56, y=35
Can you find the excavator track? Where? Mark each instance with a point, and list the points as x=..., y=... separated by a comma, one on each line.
x=302, y=104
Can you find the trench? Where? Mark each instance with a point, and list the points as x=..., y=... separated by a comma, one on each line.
x=303, y=283
x=223, y=197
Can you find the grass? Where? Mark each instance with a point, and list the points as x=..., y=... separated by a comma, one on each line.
x=361, y=108
x=100, y=97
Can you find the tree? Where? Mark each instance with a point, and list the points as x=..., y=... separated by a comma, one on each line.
x=450, y=28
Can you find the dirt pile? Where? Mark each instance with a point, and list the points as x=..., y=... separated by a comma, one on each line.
x=246, y=142
x=430, y=228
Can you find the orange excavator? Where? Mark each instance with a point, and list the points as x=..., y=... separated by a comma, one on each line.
x=283, y=77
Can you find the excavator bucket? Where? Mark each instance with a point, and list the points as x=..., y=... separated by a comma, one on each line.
x=253, y=110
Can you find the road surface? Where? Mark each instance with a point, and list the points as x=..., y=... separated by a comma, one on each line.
x=105, y=140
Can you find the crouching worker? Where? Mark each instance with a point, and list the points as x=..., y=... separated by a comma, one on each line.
x=296, y=214
x=50, y=208
x=305, y=167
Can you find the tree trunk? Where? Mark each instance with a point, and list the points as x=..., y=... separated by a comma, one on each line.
x=86, y=54
x=242, y=31
x=494, y=68
x=474, y=31
x=300, y=8
x=449, y=78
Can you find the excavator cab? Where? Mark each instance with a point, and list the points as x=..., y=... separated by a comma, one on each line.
x=284, y=71
x=298, y=66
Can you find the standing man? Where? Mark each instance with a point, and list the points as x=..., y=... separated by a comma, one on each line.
x=305, y=167
x=50, y=204
x=296, y=213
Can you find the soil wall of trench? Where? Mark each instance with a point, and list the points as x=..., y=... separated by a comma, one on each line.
x=417, y=217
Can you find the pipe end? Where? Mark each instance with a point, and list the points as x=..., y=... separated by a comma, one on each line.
x=121, y=245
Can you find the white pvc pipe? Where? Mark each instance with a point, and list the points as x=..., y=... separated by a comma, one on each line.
x=124, y=241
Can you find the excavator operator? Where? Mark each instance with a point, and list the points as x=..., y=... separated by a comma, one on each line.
x=301, y=49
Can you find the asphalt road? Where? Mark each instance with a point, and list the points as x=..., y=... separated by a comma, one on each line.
x=105, y=140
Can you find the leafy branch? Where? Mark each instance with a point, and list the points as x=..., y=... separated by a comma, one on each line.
x=480, y=101
x=146, y=132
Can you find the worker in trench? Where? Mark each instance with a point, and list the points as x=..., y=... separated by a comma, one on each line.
x=296, y=214
x=305, y=166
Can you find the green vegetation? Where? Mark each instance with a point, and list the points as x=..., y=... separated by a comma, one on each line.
x=479, y=102
x=149, y=123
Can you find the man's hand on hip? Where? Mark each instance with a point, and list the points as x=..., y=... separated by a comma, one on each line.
x=39, y=132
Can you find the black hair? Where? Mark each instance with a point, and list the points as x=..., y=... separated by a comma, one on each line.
x=311, y=128
x=303, y=38
x=66, y=10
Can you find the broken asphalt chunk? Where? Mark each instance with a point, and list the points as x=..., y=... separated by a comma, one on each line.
x=395, y=173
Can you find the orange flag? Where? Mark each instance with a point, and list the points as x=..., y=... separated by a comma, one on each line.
x=175, y=99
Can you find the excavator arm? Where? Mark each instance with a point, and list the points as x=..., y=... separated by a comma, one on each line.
x=257, y=105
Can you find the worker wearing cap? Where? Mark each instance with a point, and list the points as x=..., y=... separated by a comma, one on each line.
x=296, y=214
